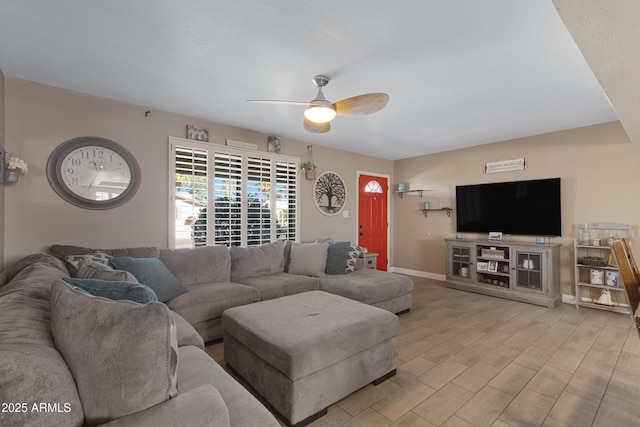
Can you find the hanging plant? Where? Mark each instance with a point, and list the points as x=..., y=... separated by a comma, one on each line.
x=309, y=168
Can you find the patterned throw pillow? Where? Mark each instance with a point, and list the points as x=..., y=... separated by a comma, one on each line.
x=75, y=261
x=354, y=254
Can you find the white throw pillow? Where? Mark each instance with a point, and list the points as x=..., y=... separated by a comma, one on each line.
x=308, y=259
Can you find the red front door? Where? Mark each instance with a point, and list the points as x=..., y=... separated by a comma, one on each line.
x=372, y=216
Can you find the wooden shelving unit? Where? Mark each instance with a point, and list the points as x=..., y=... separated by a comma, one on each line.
x=595, y=270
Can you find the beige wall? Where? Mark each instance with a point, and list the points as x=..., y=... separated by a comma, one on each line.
x=597, y=164
x=40, y=117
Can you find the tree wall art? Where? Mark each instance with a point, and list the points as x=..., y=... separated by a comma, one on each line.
x=330, y=193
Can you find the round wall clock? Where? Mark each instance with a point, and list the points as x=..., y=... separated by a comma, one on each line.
x=93, y=173
x=330, y=193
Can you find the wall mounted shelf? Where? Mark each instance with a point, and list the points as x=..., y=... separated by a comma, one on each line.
x=447, y=210
x=401, y=193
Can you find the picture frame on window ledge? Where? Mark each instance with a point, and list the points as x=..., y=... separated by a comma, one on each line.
x=273, y=144
x=197, y=133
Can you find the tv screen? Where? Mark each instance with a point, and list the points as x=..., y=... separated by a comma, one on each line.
x=520, y=207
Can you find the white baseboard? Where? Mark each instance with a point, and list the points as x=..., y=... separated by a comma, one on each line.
x=417, y=273
x=569, y=299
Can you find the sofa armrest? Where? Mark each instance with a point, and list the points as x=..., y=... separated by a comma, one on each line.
x=186, y=334
x=201, y=406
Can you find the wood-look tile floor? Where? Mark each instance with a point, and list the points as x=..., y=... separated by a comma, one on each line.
x=472, y=360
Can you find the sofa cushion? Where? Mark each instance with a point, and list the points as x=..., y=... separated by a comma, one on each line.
x=137, y=252
x=281, y=284
x=337, y=256
x=31, y=369
x=196, y=368
x=368, y=286
x=153, y=273
x=62, y=251
x=123, y=355
x=256, y=260
x=185, y=332
x=203, y=264
x=207, y=301
x=98, y=270
x=308, y=259
x=115, y=290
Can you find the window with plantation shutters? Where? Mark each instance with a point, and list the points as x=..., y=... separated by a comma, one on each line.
x=227, y=199
x=286, y=194
x=191, y=195
x=225, y=196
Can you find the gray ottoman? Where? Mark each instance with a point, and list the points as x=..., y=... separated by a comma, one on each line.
x=304, y=352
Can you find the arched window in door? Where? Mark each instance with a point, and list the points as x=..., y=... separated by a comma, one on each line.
x=373, y=186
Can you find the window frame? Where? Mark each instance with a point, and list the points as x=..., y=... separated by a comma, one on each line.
x=275, y=160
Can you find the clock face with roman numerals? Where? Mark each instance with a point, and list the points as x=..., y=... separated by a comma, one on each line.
x=93, y=173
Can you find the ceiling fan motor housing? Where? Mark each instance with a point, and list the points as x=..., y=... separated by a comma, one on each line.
x=320, y=81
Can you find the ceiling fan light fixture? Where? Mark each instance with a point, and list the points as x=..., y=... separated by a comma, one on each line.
x=320, y=113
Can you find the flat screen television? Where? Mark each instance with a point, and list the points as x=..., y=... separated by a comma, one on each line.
x=529, y=208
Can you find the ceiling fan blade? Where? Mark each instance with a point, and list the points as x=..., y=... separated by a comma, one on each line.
x=314, y=127
x=273, y=101
x=362, y=104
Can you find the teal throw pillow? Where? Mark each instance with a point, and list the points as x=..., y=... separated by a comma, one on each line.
x=114, y=290
x=337, y=256
x=153, y=273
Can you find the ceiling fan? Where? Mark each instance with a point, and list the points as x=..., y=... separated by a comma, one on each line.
x=320, y=112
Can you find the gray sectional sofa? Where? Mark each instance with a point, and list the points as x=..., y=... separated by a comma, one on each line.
x=217, y=278
x=47, y=327
x=65, y=362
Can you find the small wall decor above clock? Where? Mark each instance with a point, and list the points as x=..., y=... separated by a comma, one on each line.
x=93, y=173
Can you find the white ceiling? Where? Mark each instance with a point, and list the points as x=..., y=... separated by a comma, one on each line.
x=459, y=73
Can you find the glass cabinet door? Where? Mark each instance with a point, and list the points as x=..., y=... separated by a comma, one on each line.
x=461, y=262
x=529, y=270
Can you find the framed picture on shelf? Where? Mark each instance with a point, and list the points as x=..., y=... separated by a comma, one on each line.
x=597, y=277
x=197, y=133
x=611, y=278
x=493, y=266
x=482, y=266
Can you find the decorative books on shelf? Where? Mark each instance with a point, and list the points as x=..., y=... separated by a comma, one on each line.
x=492, y=253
